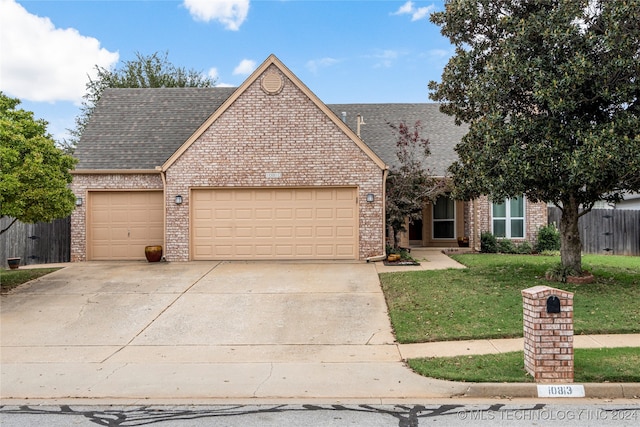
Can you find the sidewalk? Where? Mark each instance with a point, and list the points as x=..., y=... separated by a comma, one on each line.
x=496, y=346
x=429, y=259
x=525, y=390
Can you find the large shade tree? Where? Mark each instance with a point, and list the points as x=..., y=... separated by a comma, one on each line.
x=34, y=173
x=145, y=71
x=551, y=92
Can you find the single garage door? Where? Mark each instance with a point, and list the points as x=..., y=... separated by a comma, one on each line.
x=122, y=223
x=293, y=223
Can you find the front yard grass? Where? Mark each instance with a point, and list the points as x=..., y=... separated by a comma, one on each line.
x=9, y=279
x=590, y=366
x=484, y=300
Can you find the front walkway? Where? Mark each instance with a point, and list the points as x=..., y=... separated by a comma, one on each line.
x=429, y=259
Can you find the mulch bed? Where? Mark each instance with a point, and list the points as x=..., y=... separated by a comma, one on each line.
x=400, y=263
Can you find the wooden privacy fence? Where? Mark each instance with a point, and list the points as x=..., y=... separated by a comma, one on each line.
x=40, y=243
x=607, y=231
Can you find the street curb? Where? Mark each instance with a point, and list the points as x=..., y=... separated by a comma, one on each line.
x=526, y=390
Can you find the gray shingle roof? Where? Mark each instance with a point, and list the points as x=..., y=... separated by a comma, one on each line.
x=438, y=128
x=142, y=128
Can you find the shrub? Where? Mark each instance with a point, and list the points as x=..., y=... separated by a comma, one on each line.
x=559, y=273
x=548, y=239
x=506, y=246
x=524, y=248
x=488, y=243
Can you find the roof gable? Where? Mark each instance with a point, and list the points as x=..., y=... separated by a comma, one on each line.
x=272, y=60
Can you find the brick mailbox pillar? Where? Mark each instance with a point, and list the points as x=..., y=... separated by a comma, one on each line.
x=548, y=334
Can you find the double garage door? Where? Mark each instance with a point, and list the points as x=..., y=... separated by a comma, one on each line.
x=293, y=223
x=122, y=223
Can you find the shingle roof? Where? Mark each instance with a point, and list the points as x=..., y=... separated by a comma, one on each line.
x=441, y=131
x=142, y=128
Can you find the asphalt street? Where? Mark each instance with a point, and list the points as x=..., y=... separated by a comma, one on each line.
x=453, y=413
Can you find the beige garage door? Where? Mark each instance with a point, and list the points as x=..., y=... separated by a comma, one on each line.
x=300, y=223
x=122, y=223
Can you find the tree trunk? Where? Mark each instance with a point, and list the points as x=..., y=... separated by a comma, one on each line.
x=570, y=244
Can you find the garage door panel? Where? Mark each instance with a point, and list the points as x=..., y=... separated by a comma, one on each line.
x=276, y=223
x=122, y=223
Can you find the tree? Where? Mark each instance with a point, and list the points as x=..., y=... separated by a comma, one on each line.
x=409, y=185
x=551, y=92
x=154, y=70
x=34, y=173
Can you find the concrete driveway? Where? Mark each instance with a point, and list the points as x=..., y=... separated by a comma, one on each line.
x=205, y=331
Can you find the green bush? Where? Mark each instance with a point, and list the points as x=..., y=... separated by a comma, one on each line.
x=524, y=248
x=548, y=239
x=488, y=243
x=559, y=273
x=506, y=246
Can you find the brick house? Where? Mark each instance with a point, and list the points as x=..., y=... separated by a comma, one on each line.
x=446, y=220
x=262, y=171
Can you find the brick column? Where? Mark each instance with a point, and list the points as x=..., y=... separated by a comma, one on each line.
x=548, y=337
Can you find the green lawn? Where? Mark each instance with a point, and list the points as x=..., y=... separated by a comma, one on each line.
x=590, y=365
x=484, y=300
x=9, y=279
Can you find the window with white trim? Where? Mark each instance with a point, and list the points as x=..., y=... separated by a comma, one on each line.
x=444, y=218
x=508, y=218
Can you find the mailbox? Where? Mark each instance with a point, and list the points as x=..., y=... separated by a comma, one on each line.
x=553, y=304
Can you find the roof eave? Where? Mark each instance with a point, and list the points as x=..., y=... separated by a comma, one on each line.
x=115, y=171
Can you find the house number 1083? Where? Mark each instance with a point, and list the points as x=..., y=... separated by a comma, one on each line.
x=572, y=390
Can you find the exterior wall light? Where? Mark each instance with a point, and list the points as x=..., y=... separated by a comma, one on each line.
x=370, y=198
x=78, y=201
x=178, y=199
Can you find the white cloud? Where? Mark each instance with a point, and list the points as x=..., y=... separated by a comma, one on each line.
x=245, y=67
x=314, y=64
x=213, y=73
x=230, y=13
x=416, y=13
x=385, y=58
x=42, y=63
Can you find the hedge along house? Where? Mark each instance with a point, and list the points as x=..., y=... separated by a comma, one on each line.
x=444, y=221
x=262, y=171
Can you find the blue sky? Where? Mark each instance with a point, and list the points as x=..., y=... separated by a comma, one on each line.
x=345, y=51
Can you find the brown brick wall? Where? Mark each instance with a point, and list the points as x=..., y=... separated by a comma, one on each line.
x=83, y=184
x=284, y=133
x=548, y=337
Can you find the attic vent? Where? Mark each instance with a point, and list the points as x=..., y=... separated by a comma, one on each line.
x=272, y=83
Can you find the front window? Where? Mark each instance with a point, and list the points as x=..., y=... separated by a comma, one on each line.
x=508, y=218
x=444, y=218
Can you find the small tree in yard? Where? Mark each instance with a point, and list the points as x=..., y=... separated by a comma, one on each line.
x=146, y=71
x=551, y=92
x=34, y=173
x=409, y=185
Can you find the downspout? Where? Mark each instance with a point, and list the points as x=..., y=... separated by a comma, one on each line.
x=385, y=173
